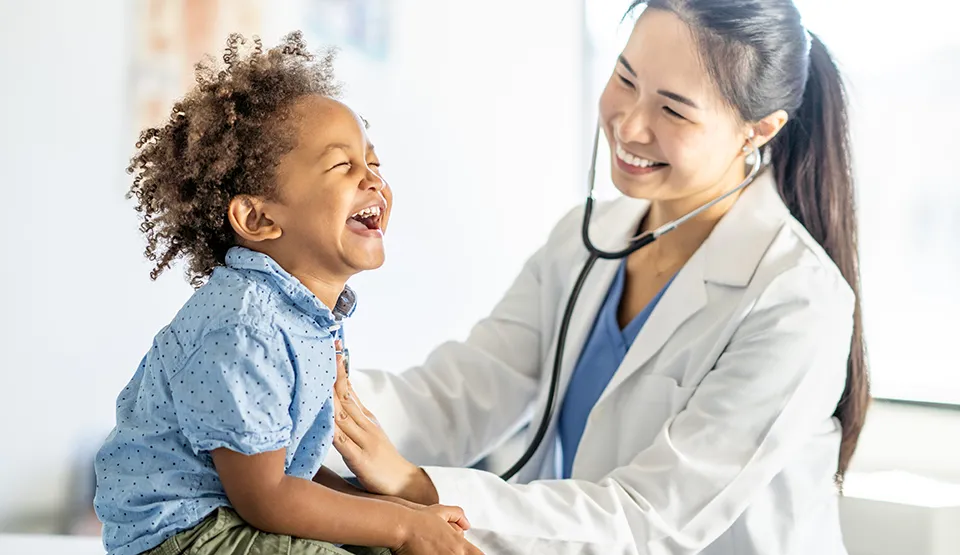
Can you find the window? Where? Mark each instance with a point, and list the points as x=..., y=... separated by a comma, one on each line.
x=902, y=67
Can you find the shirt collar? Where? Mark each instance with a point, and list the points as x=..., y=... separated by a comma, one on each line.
x=241, y=258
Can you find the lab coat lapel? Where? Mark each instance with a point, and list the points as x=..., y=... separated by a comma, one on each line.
x=612, y=229
x=686, y=296
x=729, y=257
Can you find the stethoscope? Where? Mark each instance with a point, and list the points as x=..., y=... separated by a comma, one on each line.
x=636, y=243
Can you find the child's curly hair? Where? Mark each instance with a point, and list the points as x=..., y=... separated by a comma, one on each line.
x=223, y=139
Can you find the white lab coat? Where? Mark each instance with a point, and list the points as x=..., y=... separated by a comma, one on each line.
x=714, y=436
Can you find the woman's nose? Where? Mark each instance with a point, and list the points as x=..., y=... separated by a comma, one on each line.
x=634, y=127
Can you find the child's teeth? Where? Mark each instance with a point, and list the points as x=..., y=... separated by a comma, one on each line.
x=368, y=212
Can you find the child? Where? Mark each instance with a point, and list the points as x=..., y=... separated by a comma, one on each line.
x=271, y=192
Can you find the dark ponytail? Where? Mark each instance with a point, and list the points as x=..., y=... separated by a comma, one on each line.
x=811, y=157
x=762, y=60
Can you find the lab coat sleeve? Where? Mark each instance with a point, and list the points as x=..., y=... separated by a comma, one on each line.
x=771, y=390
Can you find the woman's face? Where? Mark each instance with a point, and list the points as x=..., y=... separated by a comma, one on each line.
x=671, y=134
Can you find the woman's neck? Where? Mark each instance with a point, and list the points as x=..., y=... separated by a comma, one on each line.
x=687, y=237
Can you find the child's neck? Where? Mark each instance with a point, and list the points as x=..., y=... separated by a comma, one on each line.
x=327, y=290
x=326, y=285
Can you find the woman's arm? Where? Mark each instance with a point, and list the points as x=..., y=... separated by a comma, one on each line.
x=779, y=379
x=330, y=479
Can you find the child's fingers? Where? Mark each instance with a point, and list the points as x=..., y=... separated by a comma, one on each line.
x=453, y=515
x=462, y=524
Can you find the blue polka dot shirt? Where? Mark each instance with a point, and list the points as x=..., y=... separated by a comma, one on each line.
x=247, y=364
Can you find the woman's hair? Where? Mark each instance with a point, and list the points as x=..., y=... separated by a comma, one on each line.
x=762, y=59
x=223, y=139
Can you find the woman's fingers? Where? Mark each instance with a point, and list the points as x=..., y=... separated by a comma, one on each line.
x=345, y=445
x=353, y=410
x=343, y=390
x=346, y=420
x=366, y=412
x=341, y=387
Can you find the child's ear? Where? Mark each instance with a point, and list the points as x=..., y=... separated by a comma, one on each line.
x=250, y=221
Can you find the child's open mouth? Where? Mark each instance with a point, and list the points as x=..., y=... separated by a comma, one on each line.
x=366, y=221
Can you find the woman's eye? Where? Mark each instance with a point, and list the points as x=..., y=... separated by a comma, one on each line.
x=626, y=82
x=672, y=113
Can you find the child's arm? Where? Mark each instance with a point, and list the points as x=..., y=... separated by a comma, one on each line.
x=270, y=500
x=232, y=398
x=328, y=478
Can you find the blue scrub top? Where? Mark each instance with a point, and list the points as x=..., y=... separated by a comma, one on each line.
x=602, y=354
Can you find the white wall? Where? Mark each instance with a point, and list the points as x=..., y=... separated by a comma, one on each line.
x=477, y=117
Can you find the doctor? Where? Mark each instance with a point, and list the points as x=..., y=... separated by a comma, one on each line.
x=709, y=399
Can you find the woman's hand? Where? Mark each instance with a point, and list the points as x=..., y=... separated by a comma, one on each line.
x=437, y=529
x=368, y=452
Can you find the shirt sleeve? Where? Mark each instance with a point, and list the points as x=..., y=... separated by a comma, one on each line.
x=235, y=392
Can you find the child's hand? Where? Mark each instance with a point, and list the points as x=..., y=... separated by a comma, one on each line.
x=437, y=529
x=404, y=502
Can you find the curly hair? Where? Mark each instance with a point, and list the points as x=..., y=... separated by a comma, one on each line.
x=223, y=139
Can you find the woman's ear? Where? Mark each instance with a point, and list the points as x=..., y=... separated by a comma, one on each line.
x=763, y=131
x=250, y=221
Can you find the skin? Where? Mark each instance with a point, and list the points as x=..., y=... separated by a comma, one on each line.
x=331, y=174
x=646, y=110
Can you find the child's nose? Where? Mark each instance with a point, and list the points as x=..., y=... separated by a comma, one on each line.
x=371, y=181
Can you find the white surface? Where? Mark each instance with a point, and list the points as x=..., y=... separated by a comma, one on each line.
x=49, y=545
x=479, y=137
x=896, y=513
x=911, y=438
x=902, y=488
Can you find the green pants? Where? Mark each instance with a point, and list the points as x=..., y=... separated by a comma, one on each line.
x=225, y=533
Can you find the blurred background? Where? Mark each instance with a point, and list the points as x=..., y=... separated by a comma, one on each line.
x=482, y=113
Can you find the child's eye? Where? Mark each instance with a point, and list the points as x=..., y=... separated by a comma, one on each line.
x=347, y=164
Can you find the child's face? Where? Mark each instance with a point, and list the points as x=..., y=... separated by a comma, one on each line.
x=332, y=205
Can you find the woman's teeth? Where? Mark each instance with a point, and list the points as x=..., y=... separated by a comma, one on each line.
x=635, y=160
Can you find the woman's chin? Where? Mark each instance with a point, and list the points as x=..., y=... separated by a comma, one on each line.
x=640, y=190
